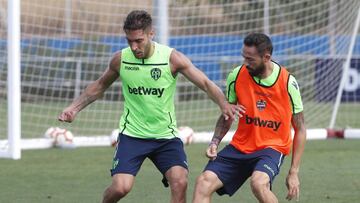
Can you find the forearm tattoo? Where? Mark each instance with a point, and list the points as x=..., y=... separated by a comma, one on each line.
x=298, y=121
x=84, y=100
x=222, y=127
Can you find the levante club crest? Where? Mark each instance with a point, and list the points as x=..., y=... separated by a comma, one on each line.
x=261, y=104
x=155, y=73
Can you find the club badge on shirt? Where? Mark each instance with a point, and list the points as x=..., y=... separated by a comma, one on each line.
x=261, y=104
x=155, y=73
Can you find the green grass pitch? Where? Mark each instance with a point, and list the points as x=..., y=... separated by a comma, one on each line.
x=329, y=173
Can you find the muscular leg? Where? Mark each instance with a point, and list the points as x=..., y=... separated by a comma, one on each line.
x=120, y=186
x=206, y=184
x=260, y=186
x=177, y=177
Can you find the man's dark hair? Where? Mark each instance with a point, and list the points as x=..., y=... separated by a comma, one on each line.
x=137, y=20
x=261, y=41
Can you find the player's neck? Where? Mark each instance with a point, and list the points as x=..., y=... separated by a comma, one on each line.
x=151, y=51
x=269, y=67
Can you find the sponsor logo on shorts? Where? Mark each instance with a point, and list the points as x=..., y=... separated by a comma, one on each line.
x=269, y=168
x=115, y=163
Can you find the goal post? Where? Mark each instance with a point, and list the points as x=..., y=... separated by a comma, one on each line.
x=12, y=148
x=345, y=70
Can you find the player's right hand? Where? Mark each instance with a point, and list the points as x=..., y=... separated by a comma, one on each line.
x=67, y=116
x=233, y=111
x=211, y=151
x=293, y=185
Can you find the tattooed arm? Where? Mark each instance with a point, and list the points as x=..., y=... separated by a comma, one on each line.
x=94, y=91
x=222, y=127
x=292, y=179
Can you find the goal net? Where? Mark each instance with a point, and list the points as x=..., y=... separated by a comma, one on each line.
x=67, y=44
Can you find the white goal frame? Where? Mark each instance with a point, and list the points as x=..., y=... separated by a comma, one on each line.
x=13, y=148
x=12, y=145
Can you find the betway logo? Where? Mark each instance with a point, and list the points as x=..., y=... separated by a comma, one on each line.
x=146, y=91
x=262, y=123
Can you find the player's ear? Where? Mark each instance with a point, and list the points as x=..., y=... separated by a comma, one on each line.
x=266, y=57
x=151, y=33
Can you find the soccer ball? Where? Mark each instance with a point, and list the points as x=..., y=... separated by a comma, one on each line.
x=186, y=134
x=64, y=139
x=113, y=137
x=50, y=132
x=61, y=137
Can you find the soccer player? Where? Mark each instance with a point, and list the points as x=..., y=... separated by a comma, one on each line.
x=272, y=100
x=149, y=72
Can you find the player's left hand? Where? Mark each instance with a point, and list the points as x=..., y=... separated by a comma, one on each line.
x=211, y=151
x=233, y=111
x=293, y=185
x=68, y=115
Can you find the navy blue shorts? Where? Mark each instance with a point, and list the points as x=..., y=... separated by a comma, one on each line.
x=131, y=152
x=233, y=167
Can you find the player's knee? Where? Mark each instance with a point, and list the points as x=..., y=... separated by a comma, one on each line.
x=179, y=183
x=259, y=183
x=120, y=191
x=178, y=178
x=203, y=185
x=114, y=194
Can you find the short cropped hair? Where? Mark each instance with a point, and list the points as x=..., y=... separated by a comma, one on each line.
x=261, y=41
x=136, y=20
